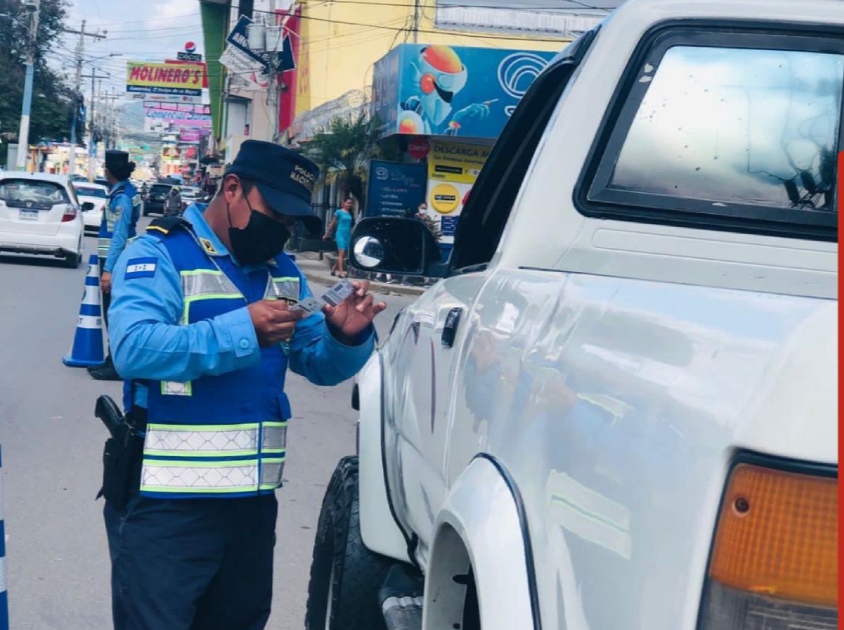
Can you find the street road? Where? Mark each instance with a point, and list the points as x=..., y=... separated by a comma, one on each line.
x=57, y=557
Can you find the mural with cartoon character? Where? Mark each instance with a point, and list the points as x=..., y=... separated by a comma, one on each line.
x=437, y=90
x=440, y=75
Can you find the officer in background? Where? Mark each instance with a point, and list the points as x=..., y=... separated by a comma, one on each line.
x=120, y=218
x=203, y=331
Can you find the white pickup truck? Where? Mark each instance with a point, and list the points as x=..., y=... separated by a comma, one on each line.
x=618, y=408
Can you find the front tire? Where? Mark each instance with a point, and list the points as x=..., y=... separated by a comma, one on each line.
x=345, y=575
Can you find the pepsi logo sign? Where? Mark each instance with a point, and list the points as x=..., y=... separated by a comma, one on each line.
x=190, y=47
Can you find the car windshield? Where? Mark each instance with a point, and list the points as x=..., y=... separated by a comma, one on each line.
x=159, y=190
x=99, y=193
x=31, y=193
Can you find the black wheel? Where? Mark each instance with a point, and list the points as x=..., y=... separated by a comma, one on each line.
x=345, y=575
x=72, y=261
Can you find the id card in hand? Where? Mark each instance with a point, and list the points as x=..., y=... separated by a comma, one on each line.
x=309, y=305
x=339, y=292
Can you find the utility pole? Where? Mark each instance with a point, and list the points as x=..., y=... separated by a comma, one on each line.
x=415, y=21
x=111, y=119
x=92, y=144
x=33, y=9
x=80, y=50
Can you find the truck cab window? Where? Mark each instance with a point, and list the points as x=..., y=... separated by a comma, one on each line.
x=730, y=125
x=726, y=131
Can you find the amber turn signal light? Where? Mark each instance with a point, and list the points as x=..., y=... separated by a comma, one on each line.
x=777, y=536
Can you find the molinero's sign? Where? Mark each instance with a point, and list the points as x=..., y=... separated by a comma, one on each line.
x=181, y=79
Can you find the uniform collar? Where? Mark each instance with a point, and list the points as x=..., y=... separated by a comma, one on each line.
x=120, y=186
x=194, y=214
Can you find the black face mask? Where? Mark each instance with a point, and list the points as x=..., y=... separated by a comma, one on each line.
x=261, y=239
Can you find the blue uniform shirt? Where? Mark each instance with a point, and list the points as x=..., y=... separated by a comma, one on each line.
x=148, y=341
x=122, y=204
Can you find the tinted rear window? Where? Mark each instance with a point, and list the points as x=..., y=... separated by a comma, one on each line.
x=27, y=193
x=756, y=127
x=160, y=190
x=725, y=130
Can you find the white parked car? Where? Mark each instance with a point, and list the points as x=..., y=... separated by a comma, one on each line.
x=94, y=194
x=618, y=408
x=40, y=215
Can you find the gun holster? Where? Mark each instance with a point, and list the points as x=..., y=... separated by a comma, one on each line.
x=123, y=451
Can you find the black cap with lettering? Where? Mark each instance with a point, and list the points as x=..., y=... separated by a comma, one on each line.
x=285, y=179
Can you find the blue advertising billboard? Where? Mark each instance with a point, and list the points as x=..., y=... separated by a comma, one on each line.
x=395, y=188
x=440, y=90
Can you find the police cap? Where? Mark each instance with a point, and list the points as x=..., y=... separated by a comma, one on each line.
x=284, y=178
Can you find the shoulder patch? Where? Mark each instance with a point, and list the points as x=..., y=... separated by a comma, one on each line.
x=165, y=225
x=140, y=268
x=208, y=245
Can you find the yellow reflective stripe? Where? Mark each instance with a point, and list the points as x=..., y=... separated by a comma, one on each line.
x=199, y=477
x=174, y=388
x=204, y=427
x=202, y=441
x=191, y=301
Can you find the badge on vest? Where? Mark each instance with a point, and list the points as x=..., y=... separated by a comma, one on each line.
x=209, y=247
x=140, y=268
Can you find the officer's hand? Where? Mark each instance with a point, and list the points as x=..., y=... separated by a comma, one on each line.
x=105, y=281
x=355, y=314
x=274, y=322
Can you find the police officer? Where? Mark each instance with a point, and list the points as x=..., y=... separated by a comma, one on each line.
x=119, y=221
x=203, y=331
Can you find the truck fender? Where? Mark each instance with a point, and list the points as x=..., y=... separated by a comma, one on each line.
x=482, y=525
x=378, y=526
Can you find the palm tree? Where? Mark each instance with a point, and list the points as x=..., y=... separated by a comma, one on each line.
x=343, y=150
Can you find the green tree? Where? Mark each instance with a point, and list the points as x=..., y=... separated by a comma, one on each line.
x=343, y=150
x=52, y=96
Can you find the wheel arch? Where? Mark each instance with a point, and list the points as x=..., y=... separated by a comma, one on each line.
x=481, y=534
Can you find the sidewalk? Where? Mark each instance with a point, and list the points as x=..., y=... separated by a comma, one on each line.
x=319, y=272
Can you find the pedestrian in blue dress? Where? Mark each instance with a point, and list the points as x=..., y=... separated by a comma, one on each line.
x=341, y=225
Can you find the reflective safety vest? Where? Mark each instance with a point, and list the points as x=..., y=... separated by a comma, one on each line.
x=111, y=216
x=226, y=435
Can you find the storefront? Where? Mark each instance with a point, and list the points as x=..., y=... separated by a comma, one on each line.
x=445, y=106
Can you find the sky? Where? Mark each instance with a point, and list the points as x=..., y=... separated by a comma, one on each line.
x=151, y=30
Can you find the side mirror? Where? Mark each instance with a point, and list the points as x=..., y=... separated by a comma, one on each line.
x=87, y=205
x=396, y=246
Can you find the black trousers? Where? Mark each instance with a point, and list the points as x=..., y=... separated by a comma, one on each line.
x=192, y=564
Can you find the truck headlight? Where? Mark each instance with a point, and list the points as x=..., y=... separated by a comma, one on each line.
x=774, y=563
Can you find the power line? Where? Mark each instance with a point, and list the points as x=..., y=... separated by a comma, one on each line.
x=436, y=32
